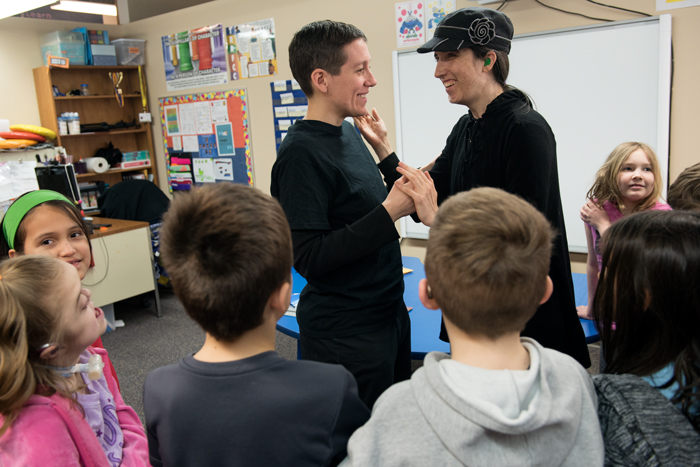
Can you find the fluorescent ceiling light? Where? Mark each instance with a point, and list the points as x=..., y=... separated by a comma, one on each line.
x=8, y=8
x=86, y=7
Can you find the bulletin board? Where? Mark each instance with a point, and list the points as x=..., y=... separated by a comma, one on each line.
x=289, y=104
x=206, y=138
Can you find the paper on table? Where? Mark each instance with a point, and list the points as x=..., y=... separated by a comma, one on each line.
x=292, y=310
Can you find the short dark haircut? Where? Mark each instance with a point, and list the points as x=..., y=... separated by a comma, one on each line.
x=684, y=193
x=320, y=45
x=487, y=261
x=227, y=248
x=647, y=303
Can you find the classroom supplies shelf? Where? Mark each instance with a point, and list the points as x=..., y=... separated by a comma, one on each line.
x=100, y=106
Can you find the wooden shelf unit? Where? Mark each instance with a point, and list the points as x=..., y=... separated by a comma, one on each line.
x=100, y=106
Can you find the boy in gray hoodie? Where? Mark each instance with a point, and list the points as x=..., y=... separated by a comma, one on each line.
x=499, y=400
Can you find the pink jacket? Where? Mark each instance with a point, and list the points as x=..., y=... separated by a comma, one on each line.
x=615, y=215
x=49, y=432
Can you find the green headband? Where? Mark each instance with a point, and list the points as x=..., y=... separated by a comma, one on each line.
x=17, y=210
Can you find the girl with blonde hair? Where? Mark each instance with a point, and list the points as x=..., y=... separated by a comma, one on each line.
x=629, y=181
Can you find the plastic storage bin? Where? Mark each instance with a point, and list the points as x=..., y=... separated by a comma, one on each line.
x=130, y=51
x=67, y=44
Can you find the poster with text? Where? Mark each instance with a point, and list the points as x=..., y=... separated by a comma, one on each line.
x=251, y=48
x=435, y=11
x=195, y=58
x=410, y=24
x=206, y=138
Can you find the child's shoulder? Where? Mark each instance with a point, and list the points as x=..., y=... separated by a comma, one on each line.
x=660, y=206
x=51, y=424
x=278, y=369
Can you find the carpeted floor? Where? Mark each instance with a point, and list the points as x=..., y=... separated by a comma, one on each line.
x=147, y=342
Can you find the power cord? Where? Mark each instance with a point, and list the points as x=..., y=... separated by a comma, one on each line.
x=619, y=8
x=573, y=12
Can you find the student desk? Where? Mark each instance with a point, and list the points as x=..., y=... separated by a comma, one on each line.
x=123, y=262
x=425, y=323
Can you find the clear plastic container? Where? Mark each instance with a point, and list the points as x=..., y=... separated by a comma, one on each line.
x=84, y=90
x=67, y=44
x=130, y=51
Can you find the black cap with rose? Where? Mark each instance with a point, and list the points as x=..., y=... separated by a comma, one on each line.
x=469, y=27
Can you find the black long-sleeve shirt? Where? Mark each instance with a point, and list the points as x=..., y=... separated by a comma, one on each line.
x=345, y=243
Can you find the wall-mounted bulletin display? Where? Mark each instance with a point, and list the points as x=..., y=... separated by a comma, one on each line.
x=206, y=138
x=195, y=58
x=252, y=51
x=288, y=105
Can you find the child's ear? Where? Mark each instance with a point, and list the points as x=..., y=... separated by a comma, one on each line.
x=548, y=290
x=49, y=352
x=279, y=300
x=12, y=253
x=426, y=296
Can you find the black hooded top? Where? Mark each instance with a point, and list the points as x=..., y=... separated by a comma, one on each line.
x=513, y=148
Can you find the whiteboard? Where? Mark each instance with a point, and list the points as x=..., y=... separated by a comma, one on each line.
x=596, y=86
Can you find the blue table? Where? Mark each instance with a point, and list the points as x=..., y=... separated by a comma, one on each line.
x=425, y=323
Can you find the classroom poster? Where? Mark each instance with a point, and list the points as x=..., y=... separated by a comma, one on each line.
x=289, y=104
x=195, y=58
x=435, y=11
x=410, y=24
x=214, y=145
x=251, y=48
x=672, y=4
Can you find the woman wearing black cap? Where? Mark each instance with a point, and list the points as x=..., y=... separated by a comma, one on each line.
x=501, y=142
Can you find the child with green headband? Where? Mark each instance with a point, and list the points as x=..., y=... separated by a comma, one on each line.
x=44, y=222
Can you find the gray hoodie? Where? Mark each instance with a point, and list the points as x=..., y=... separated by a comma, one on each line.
x=452, y=414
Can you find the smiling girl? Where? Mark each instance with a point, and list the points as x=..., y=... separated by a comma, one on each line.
x=629, y=181
x=44, y=222
x=54, y=411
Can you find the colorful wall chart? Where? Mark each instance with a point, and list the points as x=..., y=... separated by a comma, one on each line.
x=251, y=49
x=410, y=24
x=206, y=138
x=289, y=104
x=195, y=58
x=435, y=11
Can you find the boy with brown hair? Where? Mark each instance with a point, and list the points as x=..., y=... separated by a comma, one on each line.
x=500, y=399
x=684, y=193
x=228, y=250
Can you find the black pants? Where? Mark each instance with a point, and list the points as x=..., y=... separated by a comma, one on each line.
x=377, y=359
